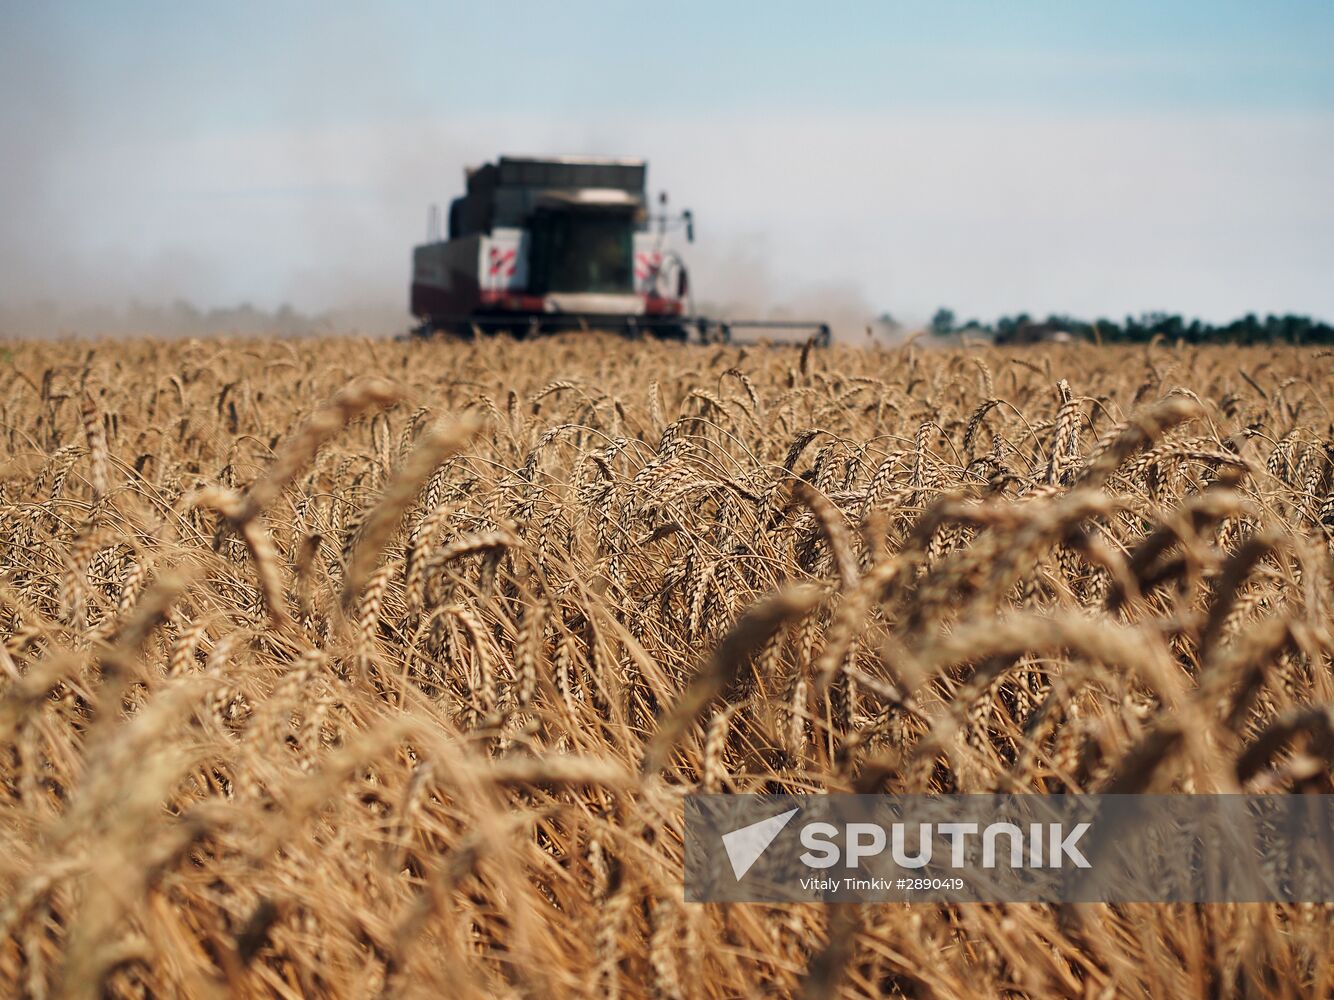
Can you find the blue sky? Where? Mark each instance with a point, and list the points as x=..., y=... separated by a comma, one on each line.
x=1104, y=158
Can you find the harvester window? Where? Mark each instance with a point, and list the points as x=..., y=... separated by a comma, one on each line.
x=589, y=251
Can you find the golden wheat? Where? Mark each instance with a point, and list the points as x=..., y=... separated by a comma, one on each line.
x=348, y=668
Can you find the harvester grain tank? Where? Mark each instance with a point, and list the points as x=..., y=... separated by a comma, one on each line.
x=558, y=243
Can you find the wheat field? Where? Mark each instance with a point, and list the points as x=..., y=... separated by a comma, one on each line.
x=355, y=668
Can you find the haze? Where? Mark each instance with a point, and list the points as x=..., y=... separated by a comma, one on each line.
x=993, y=158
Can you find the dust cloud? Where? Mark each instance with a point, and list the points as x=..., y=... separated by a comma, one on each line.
x=148, y=218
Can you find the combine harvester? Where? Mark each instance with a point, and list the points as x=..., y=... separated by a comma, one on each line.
x=540, y=245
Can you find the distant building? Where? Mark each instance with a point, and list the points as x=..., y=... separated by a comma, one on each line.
x=1031, y=332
